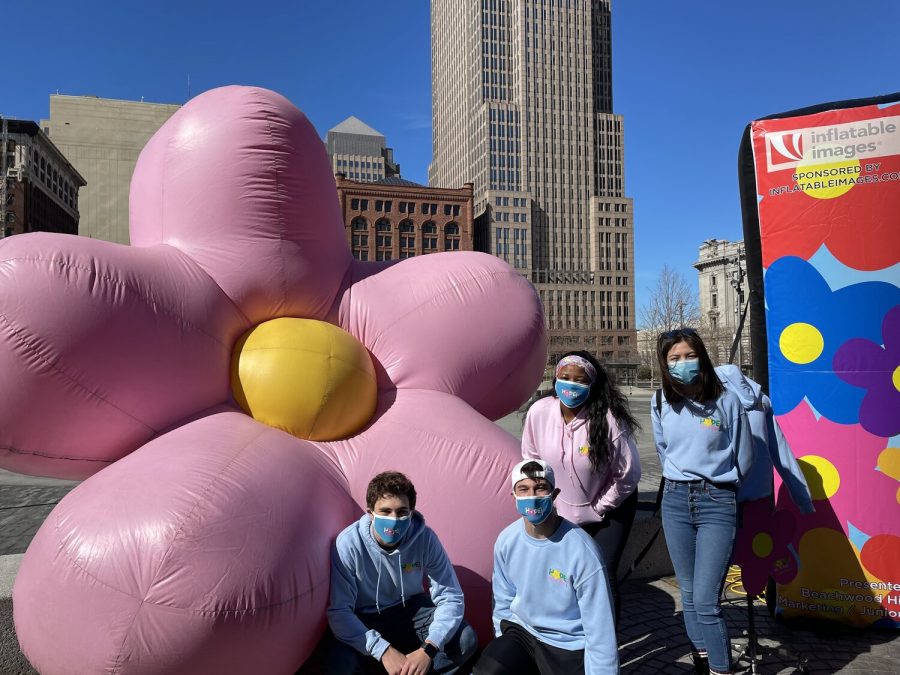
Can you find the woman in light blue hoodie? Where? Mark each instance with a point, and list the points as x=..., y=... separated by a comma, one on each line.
x=705, y=448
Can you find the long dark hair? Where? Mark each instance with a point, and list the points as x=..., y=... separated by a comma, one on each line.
x=706, y=388
x=604, y=397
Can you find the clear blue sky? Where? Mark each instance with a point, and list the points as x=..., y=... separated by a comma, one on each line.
x=688, y=76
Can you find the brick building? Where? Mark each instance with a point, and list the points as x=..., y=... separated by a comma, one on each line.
x=38, y=185
x=393, y=218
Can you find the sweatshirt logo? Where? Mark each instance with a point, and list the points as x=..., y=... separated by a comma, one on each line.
x=411, y=567
x=557, y=575
x=711, y=423
x=584, y=450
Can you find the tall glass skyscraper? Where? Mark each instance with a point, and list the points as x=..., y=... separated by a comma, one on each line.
x=522, y=108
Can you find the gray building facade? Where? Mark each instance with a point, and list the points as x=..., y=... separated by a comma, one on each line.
x=102, y=138
x=723, y=291
x=360, y=152
x=522, y=108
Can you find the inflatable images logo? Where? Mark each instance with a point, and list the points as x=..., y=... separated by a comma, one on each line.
x=784, y=150
x=833, y=143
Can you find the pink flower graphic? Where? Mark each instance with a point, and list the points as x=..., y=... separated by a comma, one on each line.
x=761, y=546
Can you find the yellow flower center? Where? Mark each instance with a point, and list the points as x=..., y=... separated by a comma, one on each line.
x=762, y=545
x=307, y=377
x=801, y=343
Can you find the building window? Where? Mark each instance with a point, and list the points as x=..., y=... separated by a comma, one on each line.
x=360, y=238
x=407, y=239
x=354, y=204
x=715, y=300
x=451, y=237
x=447, y=209
x=387, y=206
x=379, y=205
x=429, y=237
x=384, y=240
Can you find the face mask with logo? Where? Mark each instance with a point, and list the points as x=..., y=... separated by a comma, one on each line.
x=572, y=394
x=390, y=530
x=685, y=372
x=534, y=509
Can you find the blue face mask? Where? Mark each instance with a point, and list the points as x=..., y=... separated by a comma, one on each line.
x=534, y=509
x=390, y=530
x=685, y=372
x=572, y=394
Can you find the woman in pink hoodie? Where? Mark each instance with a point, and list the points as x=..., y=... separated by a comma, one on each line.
x=586, y=434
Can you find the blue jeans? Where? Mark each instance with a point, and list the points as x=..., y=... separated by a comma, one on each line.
x=699, y=520
x=406, y=629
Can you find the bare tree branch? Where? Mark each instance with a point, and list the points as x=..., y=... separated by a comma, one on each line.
x=673, y=303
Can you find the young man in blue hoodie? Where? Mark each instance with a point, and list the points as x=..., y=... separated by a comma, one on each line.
x=379, y=607
x=552, y=609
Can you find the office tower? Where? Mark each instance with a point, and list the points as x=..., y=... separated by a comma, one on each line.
x=38, y=186
x=522, y=108
x=359, y=152
x=721, y=277
x=102, y=138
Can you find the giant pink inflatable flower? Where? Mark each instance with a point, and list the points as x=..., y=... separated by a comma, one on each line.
x=201, y=542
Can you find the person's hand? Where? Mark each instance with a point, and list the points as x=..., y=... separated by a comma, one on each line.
x=393, y=661
x=417, y=663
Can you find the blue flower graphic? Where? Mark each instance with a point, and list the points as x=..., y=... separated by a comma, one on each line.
x=806, y=323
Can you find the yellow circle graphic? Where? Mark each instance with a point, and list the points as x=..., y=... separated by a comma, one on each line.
x=827, y=181
x=307, y=377
x=762, y=545
x=801, y=343
x=896, y=378
x=821, y=476
x=889, y=462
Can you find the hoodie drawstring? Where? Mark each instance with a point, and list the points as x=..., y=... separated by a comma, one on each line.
x=377, y=584
x=400, y=569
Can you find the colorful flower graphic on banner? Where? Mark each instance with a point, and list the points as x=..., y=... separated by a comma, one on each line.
x=867, y=364
x=836, y=458
x=761, y=547
x=807, y=323
x=828, y=188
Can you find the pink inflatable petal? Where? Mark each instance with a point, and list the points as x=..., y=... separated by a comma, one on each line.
x=206, y=551
x=101, y=346
x=460, y=464
x=463, y=323
x=240, y=181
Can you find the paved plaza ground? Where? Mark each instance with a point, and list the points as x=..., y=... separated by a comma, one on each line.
x=651, y=634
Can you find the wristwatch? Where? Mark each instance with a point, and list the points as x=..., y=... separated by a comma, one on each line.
x=430, y=650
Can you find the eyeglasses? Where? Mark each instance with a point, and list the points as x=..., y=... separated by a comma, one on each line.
x=676, y=333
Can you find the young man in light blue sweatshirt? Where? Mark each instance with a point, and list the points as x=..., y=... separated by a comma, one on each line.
x=379, y=608
x=552, y=608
